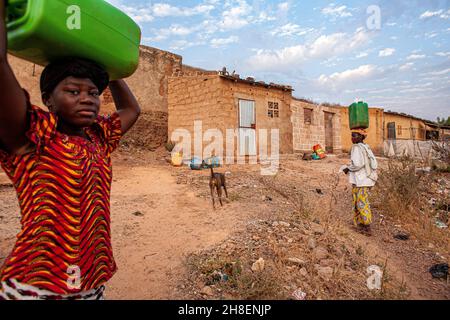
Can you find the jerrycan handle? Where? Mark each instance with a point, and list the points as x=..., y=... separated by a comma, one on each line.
x=15, y=9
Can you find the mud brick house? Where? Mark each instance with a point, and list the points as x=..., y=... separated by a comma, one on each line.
x=149, y=84
x=224, y=102
x=392, y=133
x=315, y=124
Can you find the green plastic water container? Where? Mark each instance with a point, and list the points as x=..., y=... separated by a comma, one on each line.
x=40, y=31
x=359, y=115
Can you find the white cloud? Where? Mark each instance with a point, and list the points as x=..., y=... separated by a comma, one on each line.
x=173, y=30
x=264, y=17
x=431, y=14
x=336, y=12
x=386, y=52
x=323, y=47
x=140, y=15
x=284, y=6
x=167, y=10
x=416, y=56
x=440, y=73
x=431, y=35
x=443, y=54
x=179, y=30
x=406, y=66
x=149, y=12
x=362, y=55
x=180, y=45
x=236, y=16
x=340, y=79
x=291, y=29
x=219, y=42
x=378, y=91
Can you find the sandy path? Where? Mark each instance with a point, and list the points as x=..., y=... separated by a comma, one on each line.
x=149, y=249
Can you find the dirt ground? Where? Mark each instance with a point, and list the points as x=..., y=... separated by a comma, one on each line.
x=162, y=215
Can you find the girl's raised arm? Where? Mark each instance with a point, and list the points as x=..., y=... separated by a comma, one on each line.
x=13, y=103
x=126, y=104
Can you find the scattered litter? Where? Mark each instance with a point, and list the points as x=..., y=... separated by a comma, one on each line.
x=177, y=159
x=304, y=272
x=299, y=295
x=307, y=157
x=318, y=153
x=423, y=170
x=196, y=164
x=441, y=225
x=439, y=271
x=297, y=261
x=219, y=276
x=402, y=236
x=138, y=214
x=258, y=266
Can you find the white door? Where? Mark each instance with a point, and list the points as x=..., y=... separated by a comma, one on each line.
x=247, y=128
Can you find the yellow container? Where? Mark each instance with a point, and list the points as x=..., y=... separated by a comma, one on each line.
x=177, y=159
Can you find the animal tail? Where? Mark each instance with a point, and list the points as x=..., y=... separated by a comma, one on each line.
x=212, y=171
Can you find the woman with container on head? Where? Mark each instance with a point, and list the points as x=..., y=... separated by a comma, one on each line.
x=60, y=161
x=362, y=168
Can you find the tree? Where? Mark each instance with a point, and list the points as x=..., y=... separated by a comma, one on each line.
x=443, y=122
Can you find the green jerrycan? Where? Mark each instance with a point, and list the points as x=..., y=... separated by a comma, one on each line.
x=359, y=115
x=40, y=31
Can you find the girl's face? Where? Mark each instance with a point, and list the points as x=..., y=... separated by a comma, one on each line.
x=75, y=101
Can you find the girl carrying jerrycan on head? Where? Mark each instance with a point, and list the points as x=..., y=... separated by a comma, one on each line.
x=60, y=164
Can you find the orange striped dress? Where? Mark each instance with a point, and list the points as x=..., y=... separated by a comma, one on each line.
x=63, y=189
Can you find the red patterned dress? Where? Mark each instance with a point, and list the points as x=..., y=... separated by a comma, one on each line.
x=63, y=189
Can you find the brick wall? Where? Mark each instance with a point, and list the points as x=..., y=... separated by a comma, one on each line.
x=306, y=135
x=215, y=101
x=150, y=85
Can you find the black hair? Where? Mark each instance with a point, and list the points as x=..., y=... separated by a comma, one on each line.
x=58, y=70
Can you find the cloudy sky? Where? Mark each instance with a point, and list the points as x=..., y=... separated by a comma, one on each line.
x=393, y=54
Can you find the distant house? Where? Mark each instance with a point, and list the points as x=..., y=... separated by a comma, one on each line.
x=392, y=132
x=400, y=126
x=315, y=124
x=207, y=101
